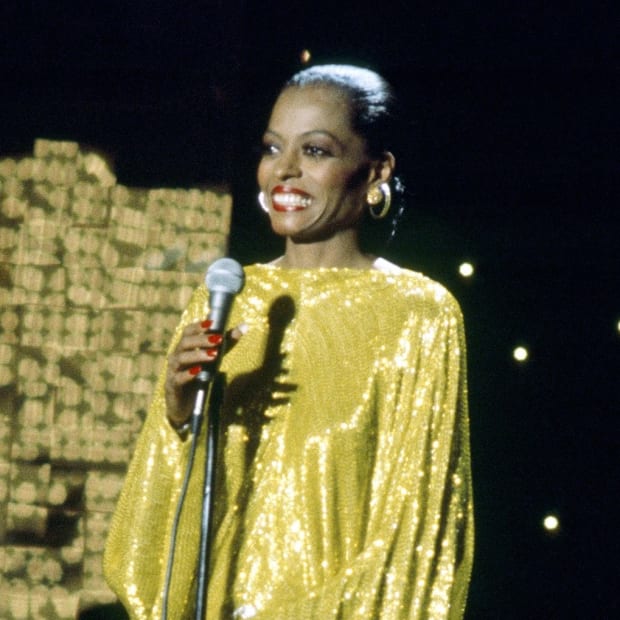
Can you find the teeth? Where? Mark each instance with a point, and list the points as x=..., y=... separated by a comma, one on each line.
x=292, y=200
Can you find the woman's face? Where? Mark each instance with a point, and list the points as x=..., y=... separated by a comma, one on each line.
x=314, y=170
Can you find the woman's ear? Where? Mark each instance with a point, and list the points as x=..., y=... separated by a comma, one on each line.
x=382, y=168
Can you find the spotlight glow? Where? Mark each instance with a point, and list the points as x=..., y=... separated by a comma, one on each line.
x=551, y=523
x=520, y=354
x=618, y=326
x=466, y=270
x=305, y=56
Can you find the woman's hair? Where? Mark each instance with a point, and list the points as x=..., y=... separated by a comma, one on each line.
x=373, y=109
x=371, y=99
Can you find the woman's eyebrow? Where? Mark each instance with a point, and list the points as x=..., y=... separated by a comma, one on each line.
x=307, y=134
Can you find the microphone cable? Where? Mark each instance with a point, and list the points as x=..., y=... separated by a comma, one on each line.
x=195, y=431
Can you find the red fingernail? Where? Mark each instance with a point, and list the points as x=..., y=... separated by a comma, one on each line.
x=206, y=324
x=214, y=338
x=194, y=370
x=211, y=352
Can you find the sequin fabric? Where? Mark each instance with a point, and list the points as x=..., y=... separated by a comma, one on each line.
x=344, y=485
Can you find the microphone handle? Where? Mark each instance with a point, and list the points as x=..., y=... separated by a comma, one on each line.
x=220, y=303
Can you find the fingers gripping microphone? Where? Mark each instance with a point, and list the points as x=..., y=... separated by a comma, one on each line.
x=224, y=279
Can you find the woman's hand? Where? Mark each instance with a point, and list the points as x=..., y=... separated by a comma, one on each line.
x=197, y=346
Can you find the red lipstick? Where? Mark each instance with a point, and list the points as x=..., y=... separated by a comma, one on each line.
x=286, y=199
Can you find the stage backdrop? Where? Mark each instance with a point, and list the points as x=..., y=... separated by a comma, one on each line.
x=93, y=278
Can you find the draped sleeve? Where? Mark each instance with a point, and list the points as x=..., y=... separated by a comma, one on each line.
x=137, y=545
x=417, y=552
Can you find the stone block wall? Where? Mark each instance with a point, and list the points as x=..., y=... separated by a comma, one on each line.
x=93, y=278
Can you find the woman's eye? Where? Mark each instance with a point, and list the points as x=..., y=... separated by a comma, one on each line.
x=316, y=151
x=268, y=149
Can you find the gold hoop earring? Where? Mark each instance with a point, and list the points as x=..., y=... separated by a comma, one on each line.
x=262, y=202
x=377, y=194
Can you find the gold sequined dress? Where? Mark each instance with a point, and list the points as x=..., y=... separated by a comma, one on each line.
x=343, y=485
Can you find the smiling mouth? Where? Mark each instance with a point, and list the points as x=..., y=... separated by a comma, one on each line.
x=290, y=200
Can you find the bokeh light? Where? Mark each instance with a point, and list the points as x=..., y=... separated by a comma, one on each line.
x=466, y=270
x=305, y=56
x=520, y=354
x=551, y=523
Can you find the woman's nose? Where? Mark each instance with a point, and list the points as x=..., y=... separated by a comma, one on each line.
x=288, y=166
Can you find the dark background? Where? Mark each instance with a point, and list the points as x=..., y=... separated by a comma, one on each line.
x=512, y=163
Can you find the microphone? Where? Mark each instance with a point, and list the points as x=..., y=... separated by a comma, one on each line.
x=224, y=279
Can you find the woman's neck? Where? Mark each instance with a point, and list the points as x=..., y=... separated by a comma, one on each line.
x=343, y=252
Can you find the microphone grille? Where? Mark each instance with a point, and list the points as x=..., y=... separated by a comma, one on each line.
x=225, y=275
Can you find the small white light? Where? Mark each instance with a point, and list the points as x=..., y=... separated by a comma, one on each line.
x=520, y=354
x=618, y=326
x=305, y=56
x=551, y=523
x=466, y=270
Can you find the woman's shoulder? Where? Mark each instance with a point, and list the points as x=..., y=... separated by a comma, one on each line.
x=414, y=287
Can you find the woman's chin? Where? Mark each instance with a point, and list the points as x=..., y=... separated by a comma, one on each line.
x=287, y=225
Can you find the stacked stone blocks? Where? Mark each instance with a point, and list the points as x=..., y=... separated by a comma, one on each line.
x=93, y=278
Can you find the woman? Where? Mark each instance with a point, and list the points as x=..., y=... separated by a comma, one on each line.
x=344, y=478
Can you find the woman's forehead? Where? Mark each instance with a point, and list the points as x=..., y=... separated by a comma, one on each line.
x=312, y=105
